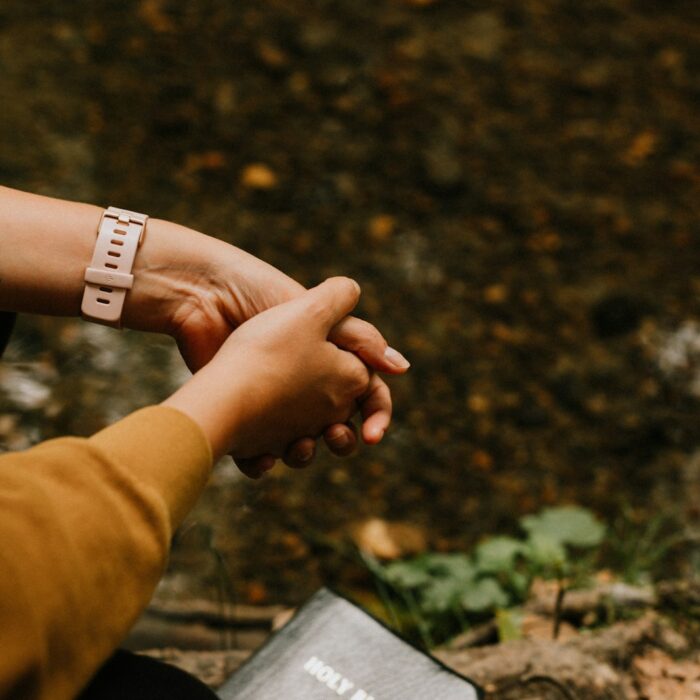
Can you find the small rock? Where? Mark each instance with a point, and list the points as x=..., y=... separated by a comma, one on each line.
x=24, y=388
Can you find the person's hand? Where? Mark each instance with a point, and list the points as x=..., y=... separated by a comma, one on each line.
x=196, y=288
x=278, y=378
x=209, y=288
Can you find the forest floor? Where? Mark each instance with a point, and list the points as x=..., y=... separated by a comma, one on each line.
x=650, y=653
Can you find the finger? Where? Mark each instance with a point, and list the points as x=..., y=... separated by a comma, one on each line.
x=363, y=339
x=375, y=408
x=332, y=300
x=341, y=439
x=353, y=375
x=255, y=467
x=300, y=453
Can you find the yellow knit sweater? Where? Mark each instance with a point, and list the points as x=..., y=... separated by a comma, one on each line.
x=85, y=526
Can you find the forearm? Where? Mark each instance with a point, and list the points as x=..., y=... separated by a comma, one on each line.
x=85, y=527
x=45, y=245
x=191, y=286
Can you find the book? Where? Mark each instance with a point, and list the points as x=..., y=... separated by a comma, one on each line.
x=333, y=649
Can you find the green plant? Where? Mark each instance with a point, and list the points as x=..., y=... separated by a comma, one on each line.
x=436, y=595
x=639, y=547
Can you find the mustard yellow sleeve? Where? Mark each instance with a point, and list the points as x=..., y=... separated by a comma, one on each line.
x=85, y=526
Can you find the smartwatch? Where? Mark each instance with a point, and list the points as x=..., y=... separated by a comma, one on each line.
x=109, y=278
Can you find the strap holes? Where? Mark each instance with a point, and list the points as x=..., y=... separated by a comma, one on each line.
x=120, y=232
x=111, y=266
x=106, y=290
x=117, y=242
x=102, y=301
x=114, y=253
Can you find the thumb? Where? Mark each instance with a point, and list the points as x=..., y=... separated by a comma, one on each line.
x=332, y=300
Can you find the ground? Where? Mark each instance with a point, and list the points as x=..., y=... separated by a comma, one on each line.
x=513, y=183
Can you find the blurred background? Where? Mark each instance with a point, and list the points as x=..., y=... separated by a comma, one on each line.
x=515, y=185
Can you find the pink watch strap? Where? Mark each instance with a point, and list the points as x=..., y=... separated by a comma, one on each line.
x=108, y=278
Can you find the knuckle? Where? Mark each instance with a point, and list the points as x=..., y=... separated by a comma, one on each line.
x=340, y=402
x=358, y=378
x=316, y=308
x=365, y=339
x=341, y=406
x=351, y=287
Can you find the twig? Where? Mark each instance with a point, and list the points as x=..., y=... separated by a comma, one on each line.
x=558, y=607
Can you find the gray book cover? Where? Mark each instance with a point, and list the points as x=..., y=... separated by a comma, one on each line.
x=331, y=649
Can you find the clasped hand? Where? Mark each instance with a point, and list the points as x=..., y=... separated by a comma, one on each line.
x=211, y=297
x=277, y=378
x=228, y=304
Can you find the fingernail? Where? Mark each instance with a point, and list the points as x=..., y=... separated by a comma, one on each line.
x=395, y=358
x=377, y=435
x=267, y=463
x=340, y=440
x=305, y=456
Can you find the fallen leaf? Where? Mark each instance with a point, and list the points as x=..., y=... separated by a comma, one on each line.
x=258, y=176
x=152, y=13
x=482, y=461
x=256, y=592
x=382, y=227
x=662, y=678
x=385, y=540
x=495, y=294
x=282, y=618
x=271, y=55
x=209, y=160
x=643, y=145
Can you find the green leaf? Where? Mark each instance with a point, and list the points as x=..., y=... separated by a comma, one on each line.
x=441, y=595
x=407, y=574
x=567, y=525
x=545, y=552
x=509, y=624
x=454, y=566
x=372, y=563
x=484, y=594
x=519, y=583
x=497, y=554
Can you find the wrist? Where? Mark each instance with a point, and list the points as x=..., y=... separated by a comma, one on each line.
x=168, y=278
x=212, y=405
